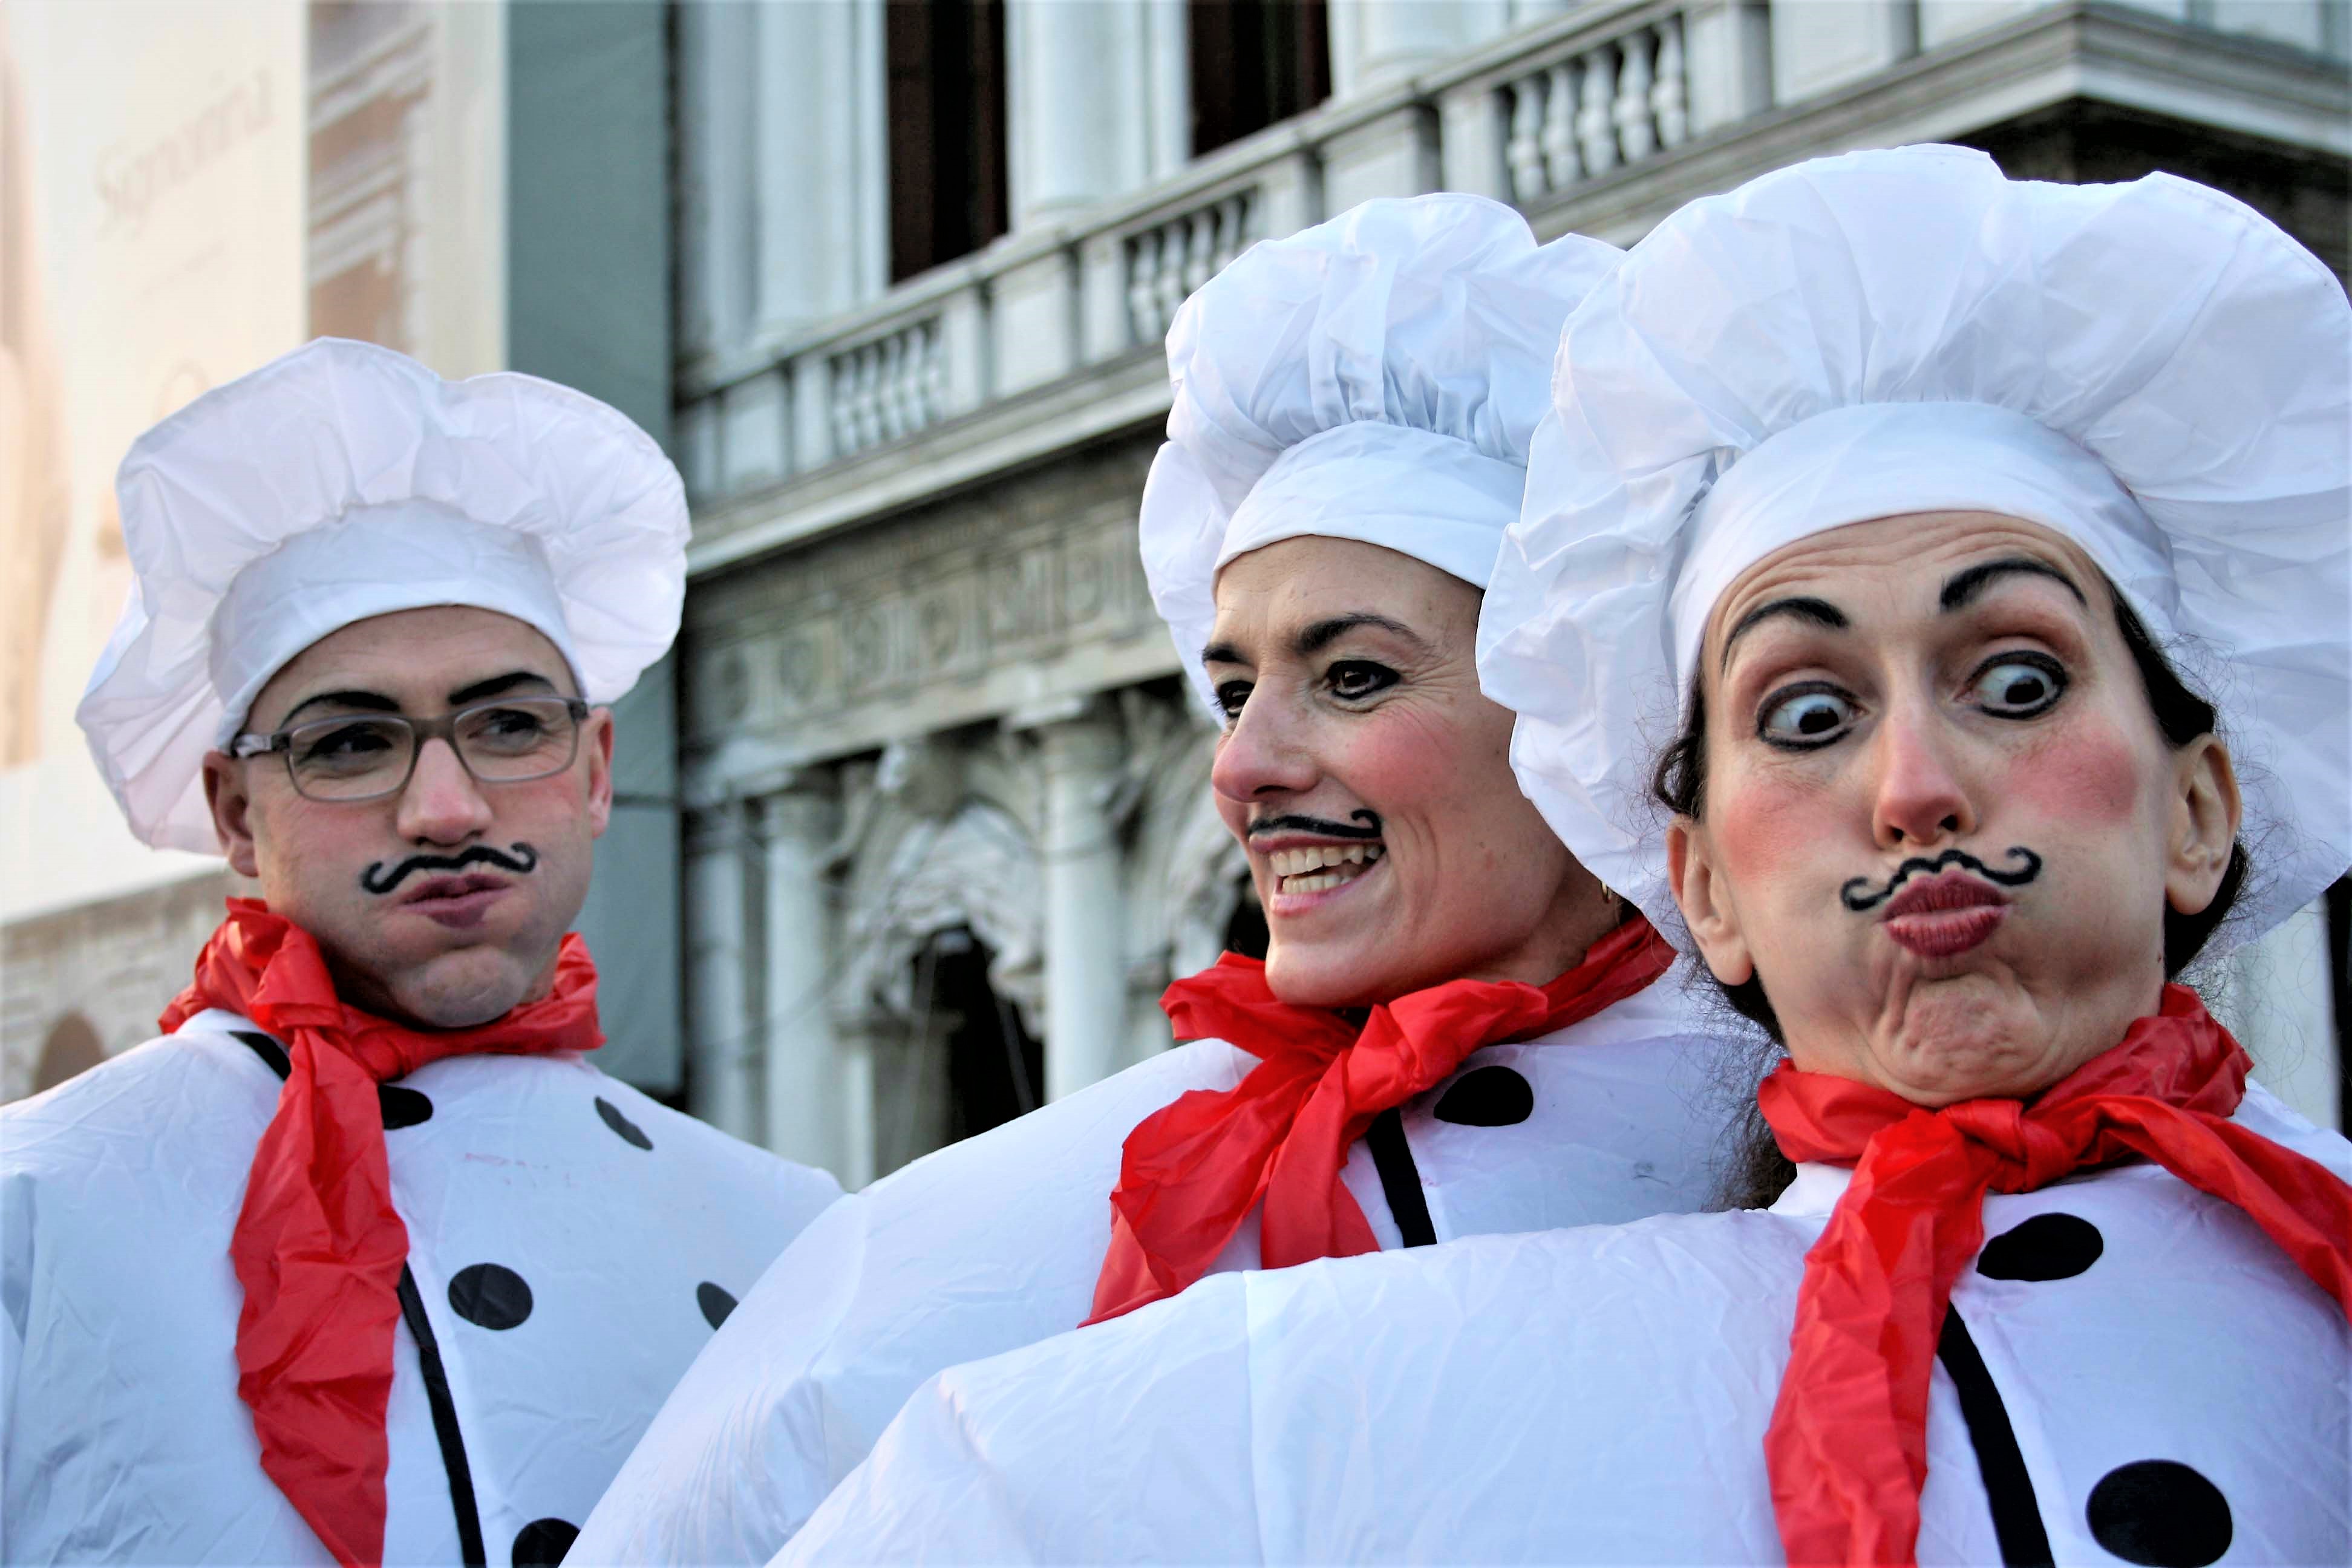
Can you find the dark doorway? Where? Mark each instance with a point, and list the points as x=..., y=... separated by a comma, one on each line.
x=1254, y=63
x=71, y=1048
x=945, y=104
x=995, y=1070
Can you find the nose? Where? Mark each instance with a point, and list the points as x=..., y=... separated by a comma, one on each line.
x=1264, y=753
x=442, y=804
x=1921, y=794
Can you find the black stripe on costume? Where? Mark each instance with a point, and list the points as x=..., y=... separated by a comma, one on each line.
x=1399, y=1178
x=428, y=1359
x=445, y=1423
x=2016, y=1517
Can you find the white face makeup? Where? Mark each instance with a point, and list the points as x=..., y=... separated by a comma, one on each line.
x=1369, y=780
x=1941, y=824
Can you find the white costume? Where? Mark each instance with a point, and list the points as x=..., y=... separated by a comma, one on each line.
x=1375, y=378
x=2131, y=1370
x=572, y=1244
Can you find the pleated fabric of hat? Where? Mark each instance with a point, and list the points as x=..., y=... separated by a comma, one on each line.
x=344, y=481
x=2152, y=370
x=1375, y=377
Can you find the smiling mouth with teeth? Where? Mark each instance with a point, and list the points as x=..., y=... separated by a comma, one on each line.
x=1319, y=866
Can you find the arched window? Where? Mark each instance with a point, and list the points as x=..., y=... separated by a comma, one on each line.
x=72, y=1047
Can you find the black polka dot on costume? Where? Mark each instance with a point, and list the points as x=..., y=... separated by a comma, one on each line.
x=715, y=1303
x=489, y=1296
x=630, y=1133
x=1486, y=1096
x=543, y=1542
x=2047, y=1246
x=402, y=1106
x=2160, y=1513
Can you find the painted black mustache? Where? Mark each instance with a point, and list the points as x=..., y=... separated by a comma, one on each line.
x=1370, y=819
x=1857, y=897
x=522, y=860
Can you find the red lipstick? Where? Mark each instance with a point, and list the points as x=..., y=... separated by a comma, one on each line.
x=1946, y=915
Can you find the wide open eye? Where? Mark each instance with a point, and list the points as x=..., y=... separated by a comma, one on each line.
x=2018, y=686
x=1352, y=679
x=1812, y=714
x=1231, y=695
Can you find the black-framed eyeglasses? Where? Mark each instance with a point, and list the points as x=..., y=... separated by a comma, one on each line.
x=365, y=756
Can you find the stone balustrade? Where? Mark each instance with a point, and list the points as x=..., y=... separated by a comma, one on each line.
x=1564, y=117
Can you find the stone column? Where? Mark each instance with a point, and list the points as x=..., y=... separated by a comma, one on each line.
x=823, y=189
x=806, y=1114
x=1086, y=969
x=716, y=241
x=722, y=1088
x=1077, y=88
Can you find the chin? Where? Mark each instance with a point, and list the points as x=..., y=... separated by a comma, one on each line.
x=1306, y=975
x=463, y=991
x=1967, y=1048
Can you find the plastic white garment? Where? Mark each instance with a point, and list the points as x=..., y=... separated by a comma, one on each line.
x=595, y=1236
x=344, y=481
x=1375, y=377
x=2174, y=1387
x=2152, y=370
x=996, y=1243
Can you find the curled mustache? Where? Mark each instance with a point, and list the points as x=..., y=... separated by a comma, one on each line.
x=1857, y=897
x=1370, y=819
x=521, y=860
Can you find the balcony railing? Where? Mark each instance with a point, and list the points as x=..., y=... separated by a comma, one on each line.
x=1544, y=117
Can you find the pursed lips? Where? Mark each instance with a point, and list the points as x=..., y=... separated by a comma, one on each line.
x=457, y=901
x=1946, y=915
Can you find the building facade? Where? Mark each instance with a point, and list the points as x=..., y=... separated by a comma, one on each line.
x=947, y=825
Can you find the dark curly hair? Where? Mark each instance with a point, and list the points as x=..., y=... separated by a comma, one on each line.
x=1759, y=1171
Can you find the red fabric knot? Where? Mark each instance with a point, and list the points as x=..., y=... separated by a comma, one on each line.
x=318, y=1247
x=1192, y=1171
x=1847, y=1449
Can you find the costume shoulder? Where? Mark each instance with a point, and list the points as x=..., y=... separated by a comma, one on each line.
x=197, y=1095
x=985, y=1245
x=1396, y=1406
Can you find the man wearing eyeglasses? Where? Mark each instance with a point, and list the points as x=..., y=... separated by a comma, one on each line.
x=363, y=1260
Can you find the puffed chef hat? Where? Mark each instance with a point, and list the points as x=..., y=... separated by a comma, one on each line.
x=346, y=480
x=2151, y=370
x=1375, y=377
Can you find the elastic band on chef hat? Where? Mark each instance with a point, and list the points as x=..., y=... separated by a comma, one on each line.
x=2151, y=370
x=1374, y=378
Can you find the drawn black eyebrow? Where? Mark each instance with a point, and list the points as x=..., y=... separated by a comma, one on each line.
x=1965, y=585
x=1319, y=635
x=497, y=686
x=1819, y=612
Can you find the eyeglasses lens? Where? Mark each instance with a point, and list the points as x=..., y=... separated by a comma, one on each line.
x=359, y=757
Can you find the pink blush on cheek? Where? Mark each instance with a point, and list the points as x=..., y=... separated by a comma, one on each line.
x=2091, y=776
x=1765, y=827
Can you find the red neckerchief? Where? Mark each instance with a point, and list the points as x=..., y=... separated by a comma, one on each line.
x=1847, y=1449
x=1191, y=1171
x=318, y=1247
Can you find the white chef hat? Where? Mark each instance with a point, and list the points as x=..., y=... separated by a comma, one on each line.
x=1375, y=377
x=344, y=481
x=2151, y=370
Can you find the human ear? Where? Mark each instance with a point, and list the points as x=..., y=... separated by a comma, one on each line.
x=1705, y=903
x=2206, y=810
x=232, y=811
x=598, y=741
